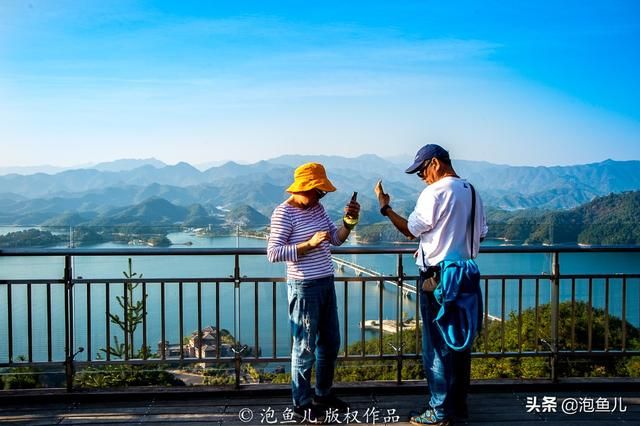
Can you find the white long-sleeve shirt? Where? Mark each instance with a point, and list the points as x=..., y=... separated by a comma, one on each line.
x=441, y=221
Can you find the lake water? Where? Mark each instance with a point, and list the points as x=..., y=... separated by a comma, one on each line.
x=239, y=318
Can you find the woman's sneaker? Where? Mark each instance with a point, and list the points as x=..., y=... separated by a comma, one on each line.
x=330, y=401
x=308, y=413
x=429, y=418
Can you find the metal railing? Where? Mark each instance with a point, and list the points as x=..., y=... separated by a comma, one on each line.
x=228, y=294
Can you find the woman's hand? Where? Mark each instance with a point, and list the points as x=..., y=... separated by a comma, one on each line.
x=352, y=209
x=318, y=238
x=312, y=243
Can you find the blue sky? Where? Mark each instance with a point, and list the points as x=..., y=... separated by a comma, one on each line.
x=536, y=83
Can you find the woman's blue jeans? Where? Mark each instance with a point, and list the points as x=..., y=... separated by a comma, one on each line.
x=313, y=315
x=448, y=371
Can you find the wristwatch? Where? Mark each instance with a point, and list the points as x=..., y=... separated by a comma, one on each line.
x=384, y=210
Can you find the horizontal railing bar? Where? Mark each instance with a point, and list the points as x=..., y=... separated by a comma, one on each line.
x=368, y=279
x=341, y=278
x=212, y=280
x=410, y=249
x=208, y=280
x=283, y=279
x=617, y=275
x=597, y=354
x=516, y=277
x=45, y=364
x=175, y=362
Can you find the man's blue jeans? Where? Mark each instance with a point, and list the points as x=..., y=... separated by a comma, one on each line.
x=313, y=315
x=448, y=371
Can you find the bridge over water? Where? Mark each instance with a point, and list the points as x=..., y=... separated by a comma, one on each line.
x=407, y=291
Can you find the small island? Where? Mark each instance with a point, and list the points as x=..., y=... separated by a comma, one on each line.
x=80, y=237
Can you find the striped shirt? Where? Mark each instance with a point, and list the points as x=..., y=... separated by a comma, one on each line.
x=292, y=225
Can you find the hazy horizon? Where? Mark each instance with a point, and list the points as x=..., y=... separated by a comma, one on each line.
x=204, y=165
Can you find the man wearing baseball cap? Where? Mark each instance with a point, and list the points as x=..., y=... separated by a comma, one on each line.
x=449, y=221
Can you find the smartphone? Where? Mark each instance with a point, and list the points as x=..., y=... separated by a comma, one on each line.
x=348, y=219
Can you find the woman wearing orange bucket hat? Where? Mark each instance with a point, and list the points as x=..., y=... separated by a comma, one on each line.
x=301, y=234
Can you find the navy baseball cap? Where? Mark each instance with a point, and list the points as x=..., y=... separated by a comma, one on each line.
x=425, y=153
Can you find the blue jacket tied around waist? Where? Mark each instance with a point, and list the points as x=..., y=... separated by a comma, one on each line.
x=460, y=299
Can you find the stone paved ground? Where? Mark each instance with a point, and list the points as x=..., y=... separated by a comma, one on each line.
x=379, y=407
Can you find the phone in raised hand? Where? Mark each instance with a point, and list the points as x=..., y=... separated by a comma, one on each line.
x=351, y=221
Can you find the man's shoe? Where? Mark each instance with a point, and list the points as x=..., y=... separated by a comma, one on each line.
x=330, y=401
x=429, y=418
x=461, y=412
x=415, y=413
x=308, y=413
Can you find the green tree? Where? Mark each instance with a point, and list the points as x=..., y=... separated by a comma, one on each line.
x=30, y=238
x=133, y=315
x=127, y=375
x=573, y=320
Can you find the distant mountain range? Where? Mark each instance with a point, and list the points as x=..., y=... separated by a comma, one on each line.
x=112, y=166
x=612, y=219
x=129, y=191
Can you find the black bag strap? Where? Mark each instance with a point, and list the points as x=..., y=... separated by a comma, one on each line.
x=473, y=217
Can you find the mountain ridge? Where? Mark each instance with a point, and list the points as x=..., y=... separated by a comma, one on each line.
x=40, y=197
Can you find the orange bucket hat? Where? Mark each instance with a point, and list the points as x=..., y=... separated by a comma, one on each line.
x=310, y=176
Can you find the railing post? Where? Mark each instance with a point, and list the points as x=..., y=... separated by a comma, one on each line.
x=68, y=322
x=237, y=350
x=238, y=366
x=400, y=338
x=555, y=306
